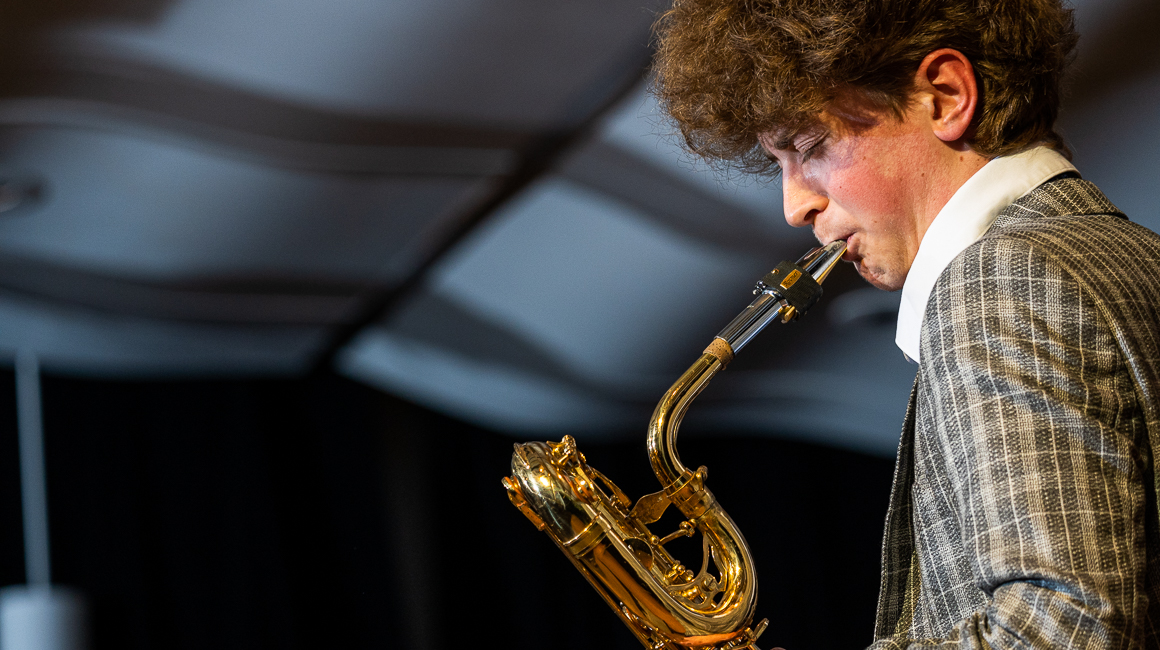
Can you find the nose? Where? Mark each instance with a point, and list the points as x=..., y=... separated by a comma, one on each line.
x=800, y=202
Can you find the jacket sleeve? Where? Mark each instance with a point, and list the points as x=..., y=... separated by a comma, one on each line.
x=1030, y=437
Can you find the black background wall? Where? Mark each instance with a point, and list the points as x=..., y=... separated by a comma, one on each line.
x=320, y=513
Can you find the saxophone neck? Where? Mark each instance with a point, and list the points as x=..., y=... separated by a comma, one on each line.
x=786, y=292
x=680, y=484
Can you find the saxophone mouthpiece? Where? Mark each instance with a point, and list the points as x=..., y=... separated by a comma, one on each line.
x=785, y=293
x=820, y=261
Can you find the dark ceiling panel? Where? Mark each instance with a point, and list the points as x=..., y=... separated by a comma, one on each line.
x=140, y=208
x=252, y=302
x=19, y=18
x=286, y=153
x=154, y=90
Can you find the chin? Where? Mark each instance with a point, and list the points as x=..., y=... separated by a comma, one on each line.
x=880, y=278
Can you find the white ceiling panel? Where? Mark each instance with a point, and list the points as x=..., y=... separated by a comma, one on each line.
x=587, y=278
x=519, y=62
x=137, y=207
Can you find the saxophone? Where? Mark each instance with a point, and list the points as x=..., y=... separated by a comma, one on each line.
x=606, y=536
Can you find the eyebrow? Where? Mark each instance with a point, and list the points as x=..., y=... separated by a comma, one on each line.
x=785, y=141
x=775, y=167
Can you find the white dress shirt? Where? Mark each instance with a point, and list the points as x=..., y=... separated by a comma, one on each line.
x=962, y=221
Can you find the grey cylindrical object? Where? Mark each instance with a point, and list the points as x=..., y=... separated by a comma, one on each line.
x=749, y=323
x=33, y=491
x=42, y=618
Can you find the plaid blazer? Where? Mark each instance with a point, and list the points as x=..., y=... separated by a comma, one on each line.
x=1024, y=508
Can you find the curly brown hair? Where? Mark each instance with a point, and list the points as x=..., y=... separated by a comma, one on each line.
x=727, y=70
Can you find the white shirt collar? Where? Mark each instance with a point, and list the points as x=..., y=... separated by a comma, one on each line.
x=963, y=220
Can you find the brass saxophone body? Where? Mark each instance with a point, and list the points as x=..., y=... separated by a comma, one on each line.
x=665, y=604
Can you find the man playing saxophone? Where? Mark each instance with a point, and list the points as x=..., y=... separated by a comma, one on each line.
x=1024, y=511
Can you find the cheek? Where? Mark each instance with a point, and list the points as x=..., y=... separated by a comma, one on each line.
x=871, y=175
x=867, y=193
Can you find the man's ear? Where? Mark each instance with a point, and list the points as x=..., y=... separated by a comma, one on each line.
x=946, y=88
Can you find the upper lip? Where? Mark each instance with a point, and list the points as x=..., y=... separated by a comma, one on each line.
x=843, y=237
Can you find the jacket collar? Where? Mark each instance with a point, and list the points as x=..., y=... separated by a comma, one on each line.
x=963, y=220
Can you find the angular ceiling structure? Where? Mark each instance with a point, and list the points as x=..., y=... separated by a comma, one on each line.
x=473, y=204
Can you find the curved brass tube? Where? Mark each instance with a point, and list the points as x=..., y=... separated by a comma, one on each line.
x=664, y=604
x=686, y=490
x=666, y=419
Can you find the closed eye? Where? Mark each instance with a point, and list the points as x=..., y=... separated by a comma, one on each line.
x=816, y=148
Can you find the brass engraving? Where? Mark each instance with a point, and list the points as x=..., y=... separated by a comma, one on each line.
x=791, y=279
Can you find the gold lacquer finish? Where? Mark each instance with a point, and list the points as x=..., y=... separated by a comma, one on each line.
x=665, y=604
x=590, y=519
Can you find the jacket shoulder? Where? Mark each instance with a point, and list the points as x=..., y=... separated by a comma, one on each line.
x=1071, y=223
x=1092, y=249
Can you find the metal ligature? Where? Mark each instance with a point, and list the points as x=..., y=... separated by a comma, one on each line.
x=666, y=605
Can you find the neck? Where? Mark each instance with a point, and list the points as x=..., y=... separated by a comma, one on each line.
x=953, y=167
